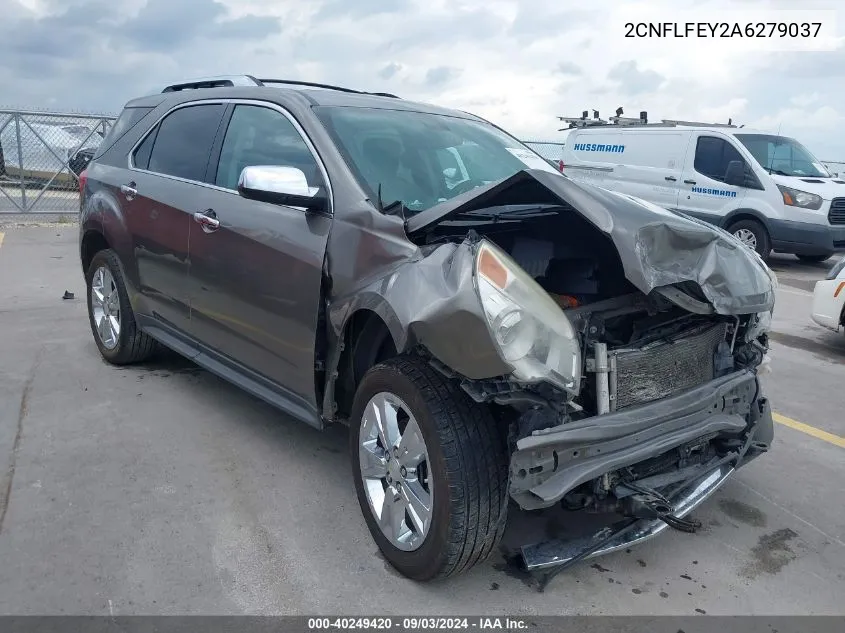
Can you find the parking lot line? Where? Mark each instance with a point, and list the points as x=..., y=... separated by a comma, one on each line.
x=2, y=235
x=809, y=430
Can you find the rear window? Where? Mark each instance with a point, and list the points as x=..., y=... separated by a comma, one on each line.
x=125, y=122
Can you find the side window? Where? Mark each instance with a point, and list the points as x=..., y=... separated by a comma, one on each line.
x=262, y=136
x=125, y=122
x=184, y=139
x=141, y=157
x=713, y=155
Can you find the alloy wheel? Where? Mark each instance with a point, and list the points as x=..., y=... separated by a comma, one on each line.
x=105, y=307
x=395, y=470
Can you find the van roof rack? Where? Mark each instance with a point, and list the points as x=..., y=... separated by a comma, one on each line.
x=619, y=121
x=249, y=80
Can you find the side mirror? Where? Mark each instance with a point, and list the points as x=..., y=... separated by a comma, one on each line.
x=735, y=174
x=280, y=185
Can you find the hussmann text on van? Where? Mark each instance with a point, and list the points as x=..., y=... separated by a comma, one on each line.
x=722, y=29
x=714, y=192
x=599, y=147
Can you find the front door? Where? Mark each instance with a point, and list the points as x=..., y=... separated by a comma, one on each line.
x=256, y=277
x=703, y=192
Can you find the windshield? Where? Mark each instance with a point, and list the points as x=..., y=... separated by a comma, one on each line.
x=422, y=159
x=783, y=155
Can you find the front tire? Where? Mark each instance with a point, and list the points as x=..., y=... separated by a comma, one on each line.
x=450, y=512
x=110, y=313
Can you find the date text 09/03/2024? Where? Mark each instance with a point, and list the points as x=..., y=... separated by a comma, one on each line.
x=723, y=29
x=417, y=623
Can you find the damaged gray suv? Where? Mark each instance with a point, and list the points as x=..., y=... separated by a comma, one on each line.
x=492, y=333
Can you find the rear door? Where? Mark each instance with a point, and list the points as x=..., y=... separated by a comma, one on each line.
x=256, y=279
x=162, y=191
x=704, y=193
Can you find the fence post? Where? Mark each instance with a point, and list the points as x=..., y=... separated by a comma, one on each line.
x=20, y=160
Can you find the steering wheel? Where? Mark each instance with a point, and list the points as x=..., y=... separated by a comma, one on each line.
x=466, y=185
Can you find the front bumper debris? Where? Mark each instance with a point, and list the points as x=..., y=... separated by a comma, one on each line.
x=557, y=553
x=549, y=464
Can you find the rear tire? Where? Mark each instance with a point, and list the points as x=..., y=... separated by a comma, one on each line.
x=466, y=469
x=110, y=313
x=754, y=235
x=814, y=259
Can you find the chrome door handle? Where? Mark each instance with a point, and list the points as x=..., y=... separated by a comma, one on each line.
x=129, y=191
x=207, y=220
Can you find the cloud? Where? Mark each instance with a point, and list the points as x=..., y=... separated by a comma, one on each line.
x=568, y=68
x=389, y=70
x=633, y=80
x=519, y=63
x=331, y=9
x=441, y=75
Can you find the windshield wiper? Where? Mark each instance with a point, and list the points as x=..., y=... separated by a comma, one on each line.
x=397, y=207
x=777, y=171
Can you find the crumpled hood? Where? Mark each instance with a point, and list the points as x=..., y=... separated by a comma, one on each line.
x=657, y=247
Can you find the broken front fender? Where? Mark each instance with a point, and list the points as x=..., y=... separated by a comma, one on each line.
x=431, y=301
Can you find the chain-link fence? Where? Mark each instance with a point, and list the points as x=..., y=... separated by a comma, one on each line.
x=41, y=157
x=547, y=149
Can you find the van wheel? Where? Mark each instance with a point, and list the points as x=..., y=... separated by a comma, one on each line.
x=430, y=468
x=110, y=313
x=814, y=259
x=754, y=235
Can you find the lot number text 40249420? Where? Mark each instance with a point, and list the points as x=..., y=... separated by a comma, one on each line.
x=418, y=623
x=708, y=30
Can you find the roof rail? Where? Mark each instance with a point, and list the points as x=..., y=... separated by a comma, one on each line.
x=249, y=80
x=619, y=121
x=311, y=84
x=213, y=82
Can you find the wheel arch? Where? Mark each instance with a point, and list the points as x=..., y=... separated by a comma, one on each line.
x=366, y=340
x=745, y=214
x=92, y=242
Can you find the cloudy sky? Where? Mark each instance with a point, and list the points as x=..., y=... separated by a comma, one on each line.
x=520, y=63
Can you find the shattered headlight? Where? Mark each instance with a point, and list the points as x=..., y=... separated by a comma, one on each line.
x=530, y=331
x=759, y=324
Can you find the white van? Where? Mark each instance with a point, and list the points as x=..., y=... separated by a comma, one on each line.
x=767, y=190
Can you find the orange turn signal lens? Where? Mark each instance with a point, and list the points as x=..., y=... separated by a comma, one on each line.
x=787, y=199
x=492, y=269
x=839, y=289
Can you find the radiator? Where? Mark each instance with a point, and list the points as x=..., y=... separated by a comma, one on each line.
x=665, y=368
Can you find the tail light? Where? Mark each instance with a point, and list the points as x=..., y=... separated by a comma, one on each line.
x=83, y=178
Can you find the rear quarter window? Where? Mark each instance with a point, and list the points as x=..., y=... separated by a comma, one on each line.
x=125, y=122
